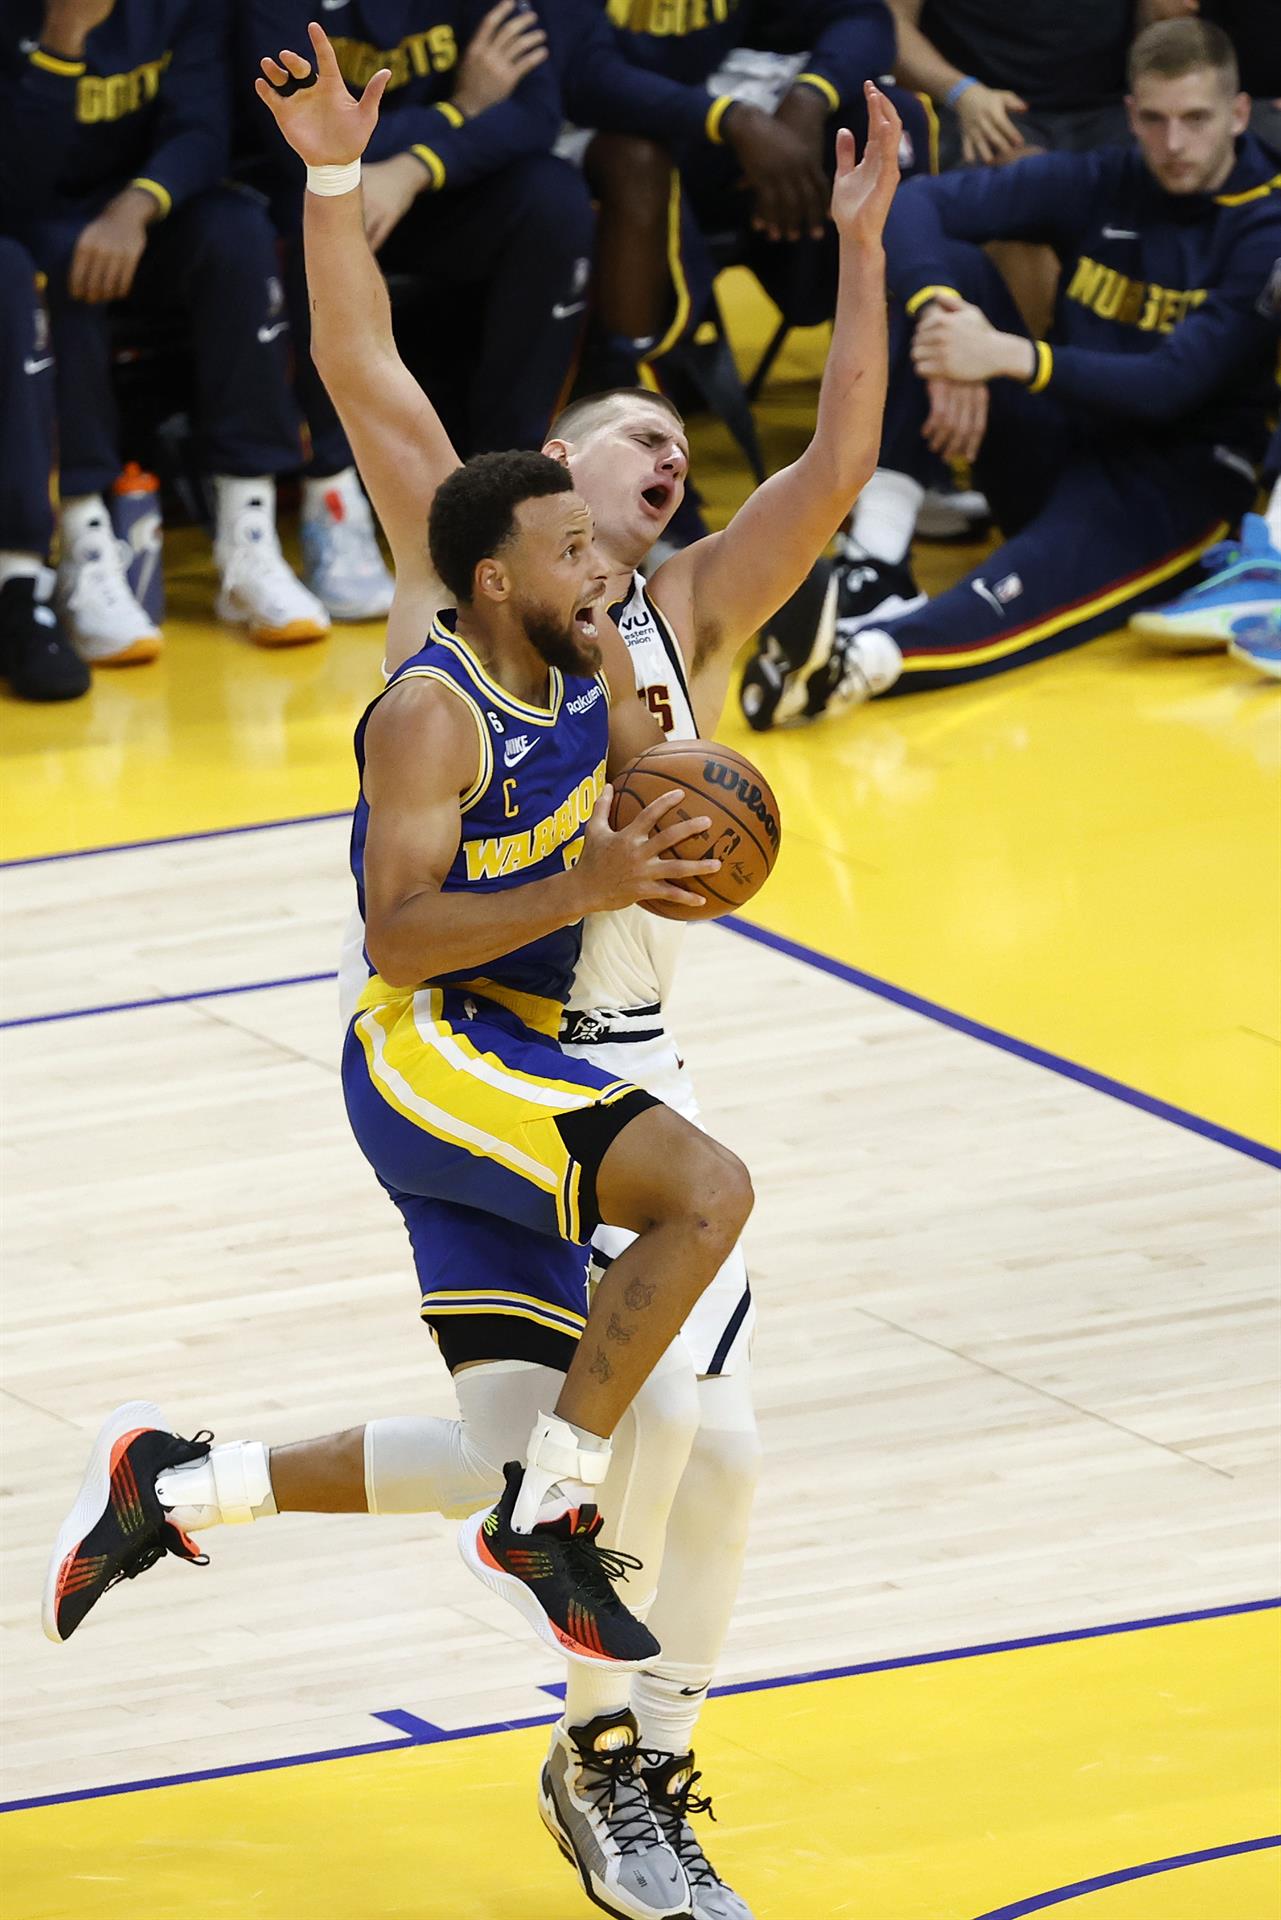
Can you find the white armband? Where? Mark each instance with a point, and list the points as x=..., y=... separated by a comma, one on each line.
x=329, y=182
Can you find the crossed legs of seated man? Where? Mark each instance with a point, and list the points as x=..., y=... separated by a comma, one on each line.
x=1101, y=518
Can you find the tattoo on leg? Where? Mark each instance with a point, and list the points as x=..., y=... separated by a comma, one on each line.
x=600, y=1365
x=639, y=1294
x=617, y=1331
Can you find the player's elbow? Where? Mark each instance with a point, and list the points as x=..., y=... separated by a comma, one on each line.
x=394, y=958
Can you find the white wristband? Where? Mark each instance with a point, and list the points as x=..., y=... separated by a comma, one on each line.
x=328, y=182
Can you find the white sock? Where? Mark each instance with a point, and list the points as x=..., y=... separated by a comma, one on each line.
x=885, y=516
x=230, y=1486
x=315, y=488
x=702, y=1561
x=1272, y=514
x=20, y=566
x=667, y=1701
x=591, y=1691
x=80, y=511
x=564, y=1466
x=233, y=495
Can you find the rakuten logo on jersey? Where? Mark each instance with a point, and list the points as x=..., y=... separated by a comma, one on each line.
x=584, y=701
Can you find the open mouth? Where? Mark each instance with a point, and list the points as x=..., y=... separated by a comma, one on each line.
x=585, y=621
x=658, y=497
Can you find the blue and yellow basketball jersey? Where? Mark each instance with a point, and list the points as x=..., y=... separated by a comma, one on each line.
x=541, y=771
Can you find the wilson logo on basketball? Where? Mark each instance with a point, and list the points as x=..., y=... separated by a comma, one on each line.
x=717, y=774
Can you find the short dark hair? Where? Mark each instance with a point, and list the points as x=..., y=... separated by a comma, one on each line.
x=1171, y=48
x=581, y=415
x=473, y=515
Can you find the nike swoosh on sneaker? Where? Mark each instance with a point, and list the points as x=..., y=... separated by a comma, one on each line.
x=36, y=366
x=266, y=334
x=567, y=313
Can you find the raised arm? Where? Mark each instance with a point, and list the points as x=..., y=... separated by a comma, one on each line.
x=722, y=588
x=401, y=449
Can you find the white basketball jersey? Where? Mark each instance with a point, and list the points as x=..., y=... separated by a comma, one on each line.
x=629, y=957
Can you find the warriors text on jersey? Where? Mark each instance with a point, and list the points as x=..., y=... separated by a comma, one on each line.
x=540, y=772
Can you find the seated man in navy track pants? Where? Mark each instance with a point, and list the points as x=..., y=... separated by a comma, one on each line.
x=115, y=123
x=1114, y=452
x=472, y=205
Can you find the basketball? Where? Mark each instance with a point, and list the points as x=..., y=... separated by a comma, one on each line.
x=745, y=832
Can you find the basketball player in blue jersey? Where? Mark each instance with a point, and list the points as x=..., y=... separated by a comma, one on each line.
x=498, y=1303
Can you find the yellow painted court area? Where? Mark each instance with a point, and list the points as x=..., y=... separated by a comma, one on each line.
x=938, y=1792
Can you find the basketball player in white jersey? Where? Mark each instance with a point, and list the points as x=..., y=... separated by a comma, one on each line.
x=615, y=1791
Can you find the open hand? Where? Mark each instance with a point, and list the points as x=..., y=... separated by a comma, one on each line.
x=636, y=863
x=322, y=123
x=957, y=419
x=508, y=44
x=988, y=133
x=862, y=193
x=107, y=253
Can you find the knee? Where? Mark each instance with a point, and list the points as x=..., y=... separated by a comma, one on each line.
x=631, y=177
x=549, y=198
x=17, y=268
x=231, y=234
x=714, y=1192
x=726, y=1463
x=666, y=1415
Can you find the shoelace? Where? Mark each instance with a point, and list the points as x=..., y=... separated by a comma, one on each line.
x=595, y=1569
x=672, y=1811
x=612, y=1784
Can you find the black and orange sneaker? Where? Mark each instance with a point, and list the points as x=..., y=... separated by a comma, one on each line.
x=117, y=1528
x=560, y=1578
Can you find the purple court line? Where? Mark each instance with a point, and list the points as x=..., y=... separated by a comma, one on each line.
x=173, y=839
x=418, y=1732
x=810, y=956
x=1057, y=1896
x=993, y=1037
x=166, y=1000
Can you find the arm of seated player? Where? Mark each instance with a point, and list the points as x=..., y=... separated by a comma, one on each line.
x=722, y=588
x=957, y=341
x=402, y=451
x=848, y=42
x=455, y=151
x=1042, y=198
x=421, y=755
x=988, y=132
x=190, y=145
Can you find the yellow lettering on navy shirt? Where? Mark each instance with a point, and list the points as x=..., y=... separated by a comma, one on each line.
x=498, y=857
x=434, y=50
x=110, y=96
x=670, y=17
x=1131, y=303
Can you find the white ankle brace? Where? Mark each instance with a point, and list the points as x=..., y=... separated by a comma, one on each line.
x=558, y=1452
x=233, y=1482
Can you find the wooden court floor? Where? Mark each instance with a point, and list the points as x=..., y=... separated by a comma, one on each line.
x=1001, y=1047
